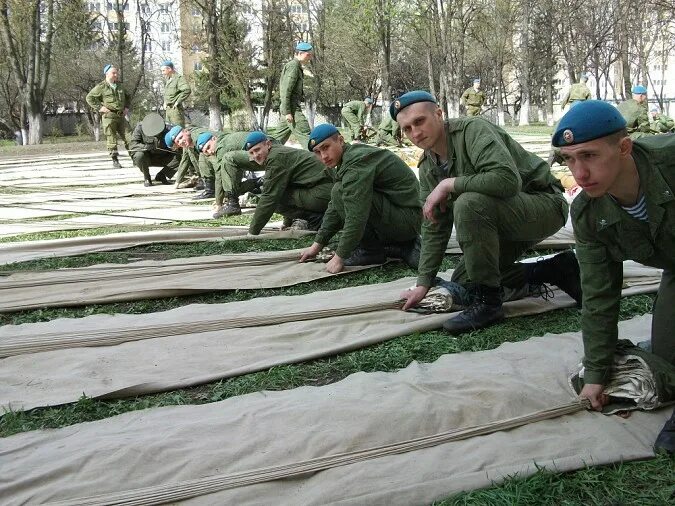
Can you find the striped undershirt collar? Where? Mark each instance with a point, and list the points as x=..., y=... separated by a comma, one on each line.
x=637, y=211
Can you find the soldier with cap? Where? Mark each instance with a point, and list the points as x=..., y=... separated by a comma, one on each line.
x=473, y=99
x=291, y=93
x=634, y=111
x=147, y=148
x=355, y=113
x=578, y=92
x=184, y=138
x=388, y=131
x=374, y=202
x=661, y=123
x=625, y=211
x=501, y=199
x=111, y=100
x=176, y=92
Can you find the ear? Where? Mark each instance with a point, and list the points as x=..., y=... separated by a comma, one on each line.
x=625, y=146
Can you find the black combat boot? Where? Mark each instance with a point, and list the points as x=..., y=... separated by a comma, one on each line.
x=366, y=256
x=162, y=178
x=666, y=438
x=147, y=179
x=258, y=188
x=116, y=161
x=209, y=189
x=231, y=208
x=408, y=251
x=314, y=220
x=485, y=310
x=200, y=184
x=561, y=270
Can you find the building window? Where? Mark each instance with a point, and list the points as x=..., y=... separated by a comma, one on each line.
x=164, y=8
x=166, y=45
x=164, y=28
x=94, y=6
x=297, y=9
x=197, y=66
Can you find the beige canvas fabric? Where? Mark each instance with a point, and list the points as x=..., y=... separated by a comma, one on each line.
x=164, y=448
x=159, y=352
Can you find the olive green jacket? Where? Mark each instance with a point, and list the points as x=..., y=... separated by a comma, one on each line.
x=389, y=125
x=141, y=142
x=606, y=235
x=357, y=107
x=484, y=159
x=663, y=124
x=636, y=116
x=577, y=92
x=103, y=94
x=233, y=141
x=177, y=91
x=473, y=98
x=362, y=171
x=286, y=169
x=190, y=155
x=290, y=87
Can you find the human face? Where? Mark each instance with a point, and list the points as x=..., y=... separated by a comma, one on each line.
x=166, y=71
x=422, y=123
x=184, y=139
x=210, y=147
x=112, y=75
x=330, y=151
x=476, y=86
x=304, y=56
x=259, y=152
x=597, y=165
x=639, y=97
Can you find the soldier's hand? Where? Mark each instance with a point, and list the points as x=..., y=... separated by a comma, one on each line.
x=104, y=109
x=335, y=265
x=414, y=296
x=438, y=198
x=594, y=393
x=310, y=252
x=289, y=118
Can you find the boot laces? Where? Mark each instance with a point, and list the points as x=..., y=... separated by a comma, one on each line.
x=542, y=290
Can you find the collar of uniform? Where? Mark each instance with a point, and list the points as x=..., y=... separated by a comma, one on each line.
x=654, y=185
x=608, y=213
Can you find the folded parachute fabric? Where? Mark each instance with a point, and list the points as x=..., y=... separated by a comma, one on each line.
x=235, y=451
x=129, y=355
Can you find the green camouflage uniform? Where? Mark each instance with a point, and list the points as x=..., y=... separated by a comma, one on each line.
x=577, y=92
x=505, y=201
x=663, y=124
x=291, y=95
x=113, y=123
x=232, y=163
x=353, y=113
x=388, y=132
x=296, y=182
x=473, y=101
x=637, y=118
x=606, y=235
x=375, y=200
x=149, y=152
x=176, y=92
x=191, y=160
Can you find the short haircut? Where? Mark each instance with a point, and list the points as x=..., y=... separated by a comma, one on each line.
x=616, y=136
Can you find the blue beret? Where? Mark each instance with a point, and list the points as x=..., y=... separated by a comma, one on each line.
x=412, y=97
x=476, y=80
x=368, y=100
x=303, y=46
x=203, y=138
x=320, y=134
x=255, y=137
x=639, y=90
x=586, y=121
x=107, y=68
x=171, y=135
x=167, y=63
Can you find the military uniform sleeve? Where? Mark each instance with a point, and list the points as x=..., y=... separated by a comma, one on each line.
x=137, y=143
x=290, y=77
x=601, y=282
x=496, y=174
x=465, y=96
x=435, y=236
x=565, y=100
x=357, y=195
x=277, y=176
x=95, y=97
x=330, y=225
x=183, y=90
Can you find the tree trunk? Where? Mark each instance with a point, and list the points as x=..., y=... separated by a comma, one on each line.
x=524, y=118
x=215, y=113
x=35, y=126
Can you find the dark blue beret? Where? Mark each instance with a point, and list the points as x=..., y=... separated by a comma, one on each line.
x=320, y=134
x=586, y=121
x=255, y=137
x=303, y=46
x=412, y=97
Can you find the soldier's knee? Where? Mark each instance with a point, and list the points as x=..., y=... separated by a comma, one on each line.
x=472, y=206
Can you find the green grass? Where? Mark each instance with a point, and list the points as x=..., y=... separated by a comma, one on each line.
x=534, y=129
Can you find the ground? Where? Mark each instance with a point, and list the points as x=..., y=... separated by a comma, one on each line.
x=128, y=206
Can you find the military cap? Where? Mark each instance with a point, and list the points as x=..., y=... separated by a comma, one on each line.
x=320, y=134
x=202, y=139
x=476, y=80
x=107, y=68
x=153, y=124
x=255, y=137
x=303, y=46
x=412, y=97
x=584, y=76
x=368, y=100
x=171, y=135
x=167, y=63
x=588, y=120
x=654, y=109
x=639, y=90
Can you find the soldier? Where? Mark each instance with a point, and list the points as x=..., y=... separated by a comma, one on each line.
x=292, y=120
x=388, y=132
x=634, y=111
x=661, y=123
x=176, y=92
x=184, y=138
x=354, y=113
x=473, y=99
x=577, y=92
x=625, y=211
x=501, y=199
x=112, y=101
x=374, y=202
x=148, y=149
x=297, y=185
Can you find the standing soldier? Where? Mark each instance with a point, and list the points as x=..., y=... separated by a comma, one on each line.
x=354, y=114
x=292, y=120
x=634, y=111
x=112, y=101
x=176, y=92
x=577, y=92
x=473, y=99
